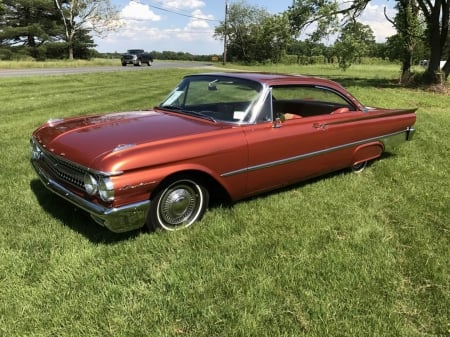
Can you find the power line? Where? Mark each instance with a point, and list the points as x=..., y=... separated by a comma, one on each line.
x=181, y=14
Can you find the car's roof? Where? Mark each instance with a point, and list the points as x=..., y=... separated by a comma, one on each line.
x=274, y=79
x=277, y=79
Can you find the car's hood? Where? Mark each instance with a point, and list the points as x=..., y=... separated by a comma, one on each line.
x=85, y=139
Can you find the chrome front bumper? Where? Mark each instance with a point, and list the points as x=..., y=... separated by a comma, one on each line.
x=118, y=220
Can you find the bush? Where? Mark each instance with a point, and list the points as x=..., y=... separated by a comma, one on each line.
x=6, y=54
x=289, y=59
x=15, y=53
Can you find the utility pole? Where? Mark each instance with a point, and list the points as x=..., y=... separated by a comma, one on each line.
x=225, y=32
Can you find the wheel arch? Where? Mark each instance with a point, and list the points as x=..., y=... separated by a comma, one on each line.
x=366, y=152
x=216, y=190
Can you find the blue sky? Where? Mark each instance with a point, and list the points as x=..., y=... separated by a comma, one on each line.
x=188, y=25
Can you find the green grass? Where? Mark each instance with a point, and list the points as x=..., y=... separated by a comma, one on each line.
x=344, y=255
x=19, y=64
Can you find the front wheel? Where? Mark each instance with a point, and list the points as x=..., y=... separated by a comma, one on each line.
x=178, y=204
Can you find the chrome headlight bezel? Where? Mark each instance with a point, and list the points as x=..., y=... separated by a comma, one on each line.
x=36, y=151
x=90, y=184
x=106, y=189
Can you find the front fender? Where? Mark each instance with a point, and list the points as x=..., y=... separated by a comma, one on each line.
x=138, y=185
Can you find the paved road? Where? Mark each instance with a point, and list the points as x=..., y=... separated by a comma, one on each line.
x=81, y=70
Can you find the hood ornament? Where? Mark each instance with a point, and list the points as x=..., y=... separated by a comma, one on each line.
x=121, y=147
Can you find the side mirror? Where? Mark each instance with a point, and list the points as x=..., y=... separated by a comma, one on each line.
x=277, y=123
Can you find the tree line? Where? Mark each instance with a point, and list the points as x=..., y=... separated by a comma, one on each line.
x=254, y=35
x=44, y=29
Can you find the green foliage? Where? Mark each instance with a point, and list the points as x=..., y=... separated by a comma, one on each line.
x=289, y=59
x=35, y=29
x=323, y=13
x=344, y=255
x=99, y=15
x=248, y=28
x=356, y=41
x=28, y=23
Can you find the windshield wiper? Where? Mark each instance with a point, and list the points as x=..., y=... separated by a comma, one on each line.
x=187, y=112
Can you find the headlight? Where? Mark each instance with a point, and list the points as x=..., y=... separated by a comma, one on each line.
x=106, y=189
x=35, y=151
x=90, y=184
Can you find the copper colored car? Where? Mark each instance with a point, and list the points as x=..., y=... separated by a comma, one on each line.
x=235, y=133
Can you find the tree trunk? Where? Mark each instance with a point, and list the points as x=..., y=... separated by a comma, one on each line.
x=446, y=69
x=406, y=67
x=70, y=52
x=437, y=22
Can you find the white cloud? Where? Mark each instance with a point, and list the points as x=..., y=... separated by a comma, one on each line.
x=140, y=31
x=184, y=4
x=196, y=21
x=138, y=11
x=373, y=16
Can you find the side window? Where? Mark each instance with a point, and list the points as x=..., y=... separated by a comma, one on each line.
x=304, y=101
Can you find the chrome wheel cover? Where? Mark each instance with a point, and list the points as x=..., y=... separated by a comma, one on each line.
x=180, y=205
x=359, y=167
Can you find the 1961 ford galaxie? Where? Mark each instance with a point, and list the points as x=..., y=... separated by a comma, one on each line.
x=237, y=133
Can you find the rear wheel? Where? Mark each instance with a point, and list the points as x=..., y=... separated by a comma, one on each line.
x=359, y=167
x=177, y=205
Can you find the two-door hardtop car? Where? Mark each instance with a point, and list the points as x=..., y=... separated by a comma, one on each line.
x=236, y=133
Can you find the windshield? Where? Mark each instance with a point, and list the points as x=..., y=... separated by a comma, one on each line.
x=135, y=51
x=219, y=98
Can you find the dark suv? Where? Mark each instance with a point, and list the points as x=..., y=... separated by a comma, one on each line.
x=136, y=57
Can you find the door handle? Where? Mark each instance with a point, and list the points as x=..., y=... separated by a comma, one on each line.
x=320, y=126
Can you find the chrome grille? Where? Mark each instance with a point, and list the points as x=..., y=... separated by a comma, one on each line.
x=65, y=171
x=62, y=169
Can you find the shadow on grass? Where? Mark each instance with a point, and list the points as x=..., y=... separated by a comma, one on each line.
x=75, y=218
x=312, y=181
x=381, y=83
x=80, y=221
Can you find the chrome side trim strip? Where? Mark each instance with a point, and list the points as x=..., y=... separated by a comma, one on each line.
x=408, y=134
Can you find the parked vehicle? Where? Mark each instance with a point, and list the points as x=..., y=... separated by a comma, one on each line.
x=236, y=133
x=136, y=57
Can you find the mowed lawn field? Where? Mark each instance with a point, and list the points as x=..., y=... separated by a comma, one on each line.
x=343, y=255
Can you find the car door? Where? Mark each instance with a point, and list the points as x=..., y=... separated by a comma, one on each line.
x=289, y=150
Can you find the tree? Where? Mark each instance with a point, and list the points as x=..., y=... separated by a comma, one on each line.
x=355, y=41
x=436, y=15
x=28, y=23
x=273, y=36
x=309, y=52
x=409, y=33
x=98, y=16
x=326, y=14
x=253, y=34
